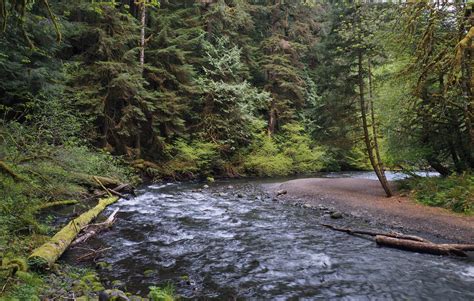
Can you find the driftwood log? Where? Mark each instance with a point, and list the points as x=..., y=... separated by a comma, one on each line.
x=424, y=247
x=374, y=233
x=47, y=254
x=409, y=242
x=92, y=230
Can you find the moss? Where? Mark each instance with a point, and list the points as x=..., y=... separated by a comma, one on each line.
x=56, y=204
x=48, y=253
x=148, y=273
x=89, y=283
x=13, y=265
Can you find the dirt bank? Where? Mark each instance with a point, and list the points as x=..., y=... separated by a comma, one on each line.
x=365, y=198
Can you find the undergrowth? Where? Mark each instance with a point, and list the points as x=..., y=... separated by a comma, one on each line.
x=36, y=169
x=455, y=192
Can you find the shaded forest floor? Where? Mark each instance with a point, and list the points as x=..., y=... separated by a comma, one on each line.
x=365, y=198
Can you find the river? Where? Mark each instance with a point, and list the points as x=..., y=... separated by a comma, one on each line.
x=233, y=242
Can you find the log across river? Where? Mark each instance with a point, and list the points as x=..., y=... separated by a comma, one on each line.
x=226, y=242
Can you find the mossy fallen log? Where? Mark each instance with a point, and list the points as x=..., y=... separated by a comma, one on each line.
x=5, y=168
x=48, y=253
x=90, y=180
x=142, y=164
x=56, y=204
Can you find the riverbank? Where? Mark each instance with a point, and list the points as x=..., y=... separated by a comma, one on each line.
x=365, y=199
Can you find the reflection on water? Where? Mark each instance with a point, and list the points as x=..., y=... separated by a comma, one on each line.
x=226, y=242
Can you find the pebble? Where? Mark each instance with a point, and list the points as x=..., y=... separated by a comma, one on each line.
x=336, y=215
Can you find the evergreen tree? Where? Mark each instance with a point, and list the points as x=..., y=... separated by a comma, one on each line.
x=227, y=102
x=106, y=78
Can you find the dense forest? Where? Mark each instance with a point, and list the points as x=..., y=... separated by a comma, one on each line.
x=204, y=89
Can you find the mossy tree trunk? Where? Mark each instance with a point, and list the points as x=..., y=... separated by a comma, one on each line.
x=376, y=165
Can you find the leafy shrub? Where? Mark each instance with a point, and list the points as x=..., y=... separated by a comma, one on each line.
x=162, y=293
x=455, y=192
x=288, y=153
x=297, y=146
x=266, y=160
x=192, y=159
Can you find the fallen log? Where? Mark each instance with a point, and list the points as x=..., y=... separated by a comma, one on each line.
x=109, y=191
x=55, y=204
x=424, y=247
x=373, y=233
x=116, y=193
x=126, y=187
x=5, y=168
x=94, y=229
x=47, y=254
x=90, y=180
x=142, y=164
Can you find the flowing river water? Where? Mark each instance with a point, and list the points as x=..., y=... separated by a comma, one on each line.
x=235, y=242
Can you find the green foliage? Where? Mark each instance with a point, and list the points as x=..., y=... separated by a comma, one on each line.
x=228, y=101
x=290, y=152
x=192, y=159
x=455, y=192
x=434, y=115
x=28, y=286
x=165, y=293
x=296, y=145
x=88, y=283
x=266, y=160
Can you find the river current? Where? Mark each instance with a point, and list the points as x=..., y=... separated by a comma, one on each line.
x=233, y=242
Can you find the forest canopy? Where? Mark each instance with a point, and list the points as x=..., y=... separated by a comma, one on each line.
x=215, y=87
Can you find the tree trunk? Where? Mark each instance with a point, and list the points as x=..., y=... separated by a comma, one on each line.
x=142, y=33
x=46, y=255
x=272, y=119
x=365, y=127
x=374, y=133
